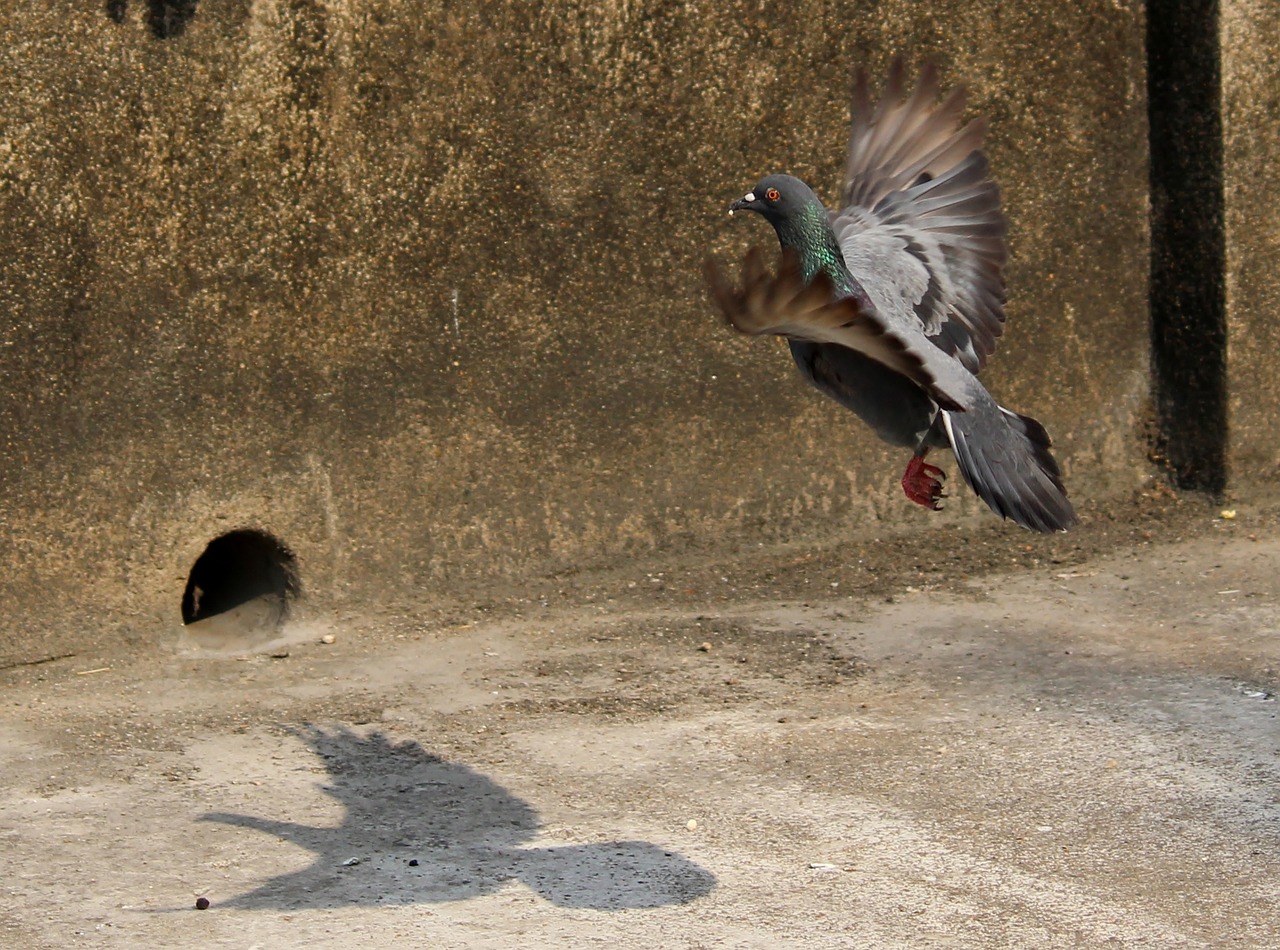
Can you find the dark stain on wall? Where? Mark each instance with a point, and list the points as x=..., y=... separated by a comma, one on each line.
x=166, y=18
x=1188, y=247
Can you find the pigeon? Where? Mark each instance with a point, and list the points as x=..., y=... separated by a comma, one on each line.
x=892, y=305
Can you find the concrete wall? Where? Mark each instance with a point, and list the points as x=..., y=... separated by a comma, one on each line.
x=415, y=287
x=1251, y=133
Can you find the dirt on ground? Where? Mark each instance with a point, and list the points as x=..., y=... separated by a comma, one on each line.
x=970, y=737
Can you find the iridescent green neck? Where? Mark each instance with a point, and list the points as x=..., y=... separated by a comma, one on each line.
x=809, y=234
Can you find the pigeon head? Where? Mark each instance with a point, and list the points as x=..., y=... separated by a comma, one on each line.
x=781, y=199
x=801, y=222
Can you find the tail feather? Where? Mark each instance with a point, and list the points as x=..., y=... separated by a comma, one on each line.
x=1005, y=458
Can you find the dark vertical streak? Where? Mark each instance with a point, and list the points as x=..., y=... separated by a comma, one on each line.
x=1188, y=247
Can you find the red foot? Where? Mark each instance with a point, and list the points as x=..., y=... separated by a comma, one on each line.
x=923, y=483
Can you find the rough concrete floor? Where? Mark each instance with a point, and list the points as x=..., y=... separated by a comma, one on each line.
x=839, y=748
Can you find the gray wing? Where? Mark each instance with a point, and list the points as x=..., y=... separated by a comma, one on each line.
x=784, y=305
x=922, y=230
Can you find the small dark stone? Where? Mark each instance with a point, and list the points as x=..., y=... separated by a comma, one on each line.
x=413, y=862
x=202, y=903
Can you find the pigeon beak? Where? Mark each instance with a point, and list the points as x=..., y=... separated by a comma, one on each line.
x=744, y=203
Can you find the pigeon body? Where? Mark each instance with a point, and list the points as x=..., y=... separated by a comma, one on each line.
x=892, y=305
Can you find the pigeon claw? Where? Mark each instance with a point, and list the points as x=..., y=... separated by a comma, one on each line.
x=922, y=483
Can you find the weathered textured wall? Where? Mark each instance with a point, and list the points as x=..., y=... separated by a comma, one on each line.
x=1251, y=132
x=415, y=287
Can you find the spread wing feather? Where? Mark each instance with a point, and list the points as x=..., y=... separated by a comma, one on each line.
x=784, y=305
x=922, y=230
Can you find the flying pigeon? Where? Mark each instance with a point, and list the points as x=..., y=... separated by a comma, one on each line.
x=892, y=305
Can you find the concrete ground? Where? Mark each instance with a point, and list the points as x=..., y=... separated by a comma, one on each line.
x=968, y=737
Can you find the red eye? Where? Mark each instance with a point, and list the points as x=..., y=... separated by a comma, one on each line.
x=772, y=194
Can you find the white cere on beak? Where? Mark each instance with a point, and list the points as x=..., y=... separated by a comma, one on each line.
x=749, y=196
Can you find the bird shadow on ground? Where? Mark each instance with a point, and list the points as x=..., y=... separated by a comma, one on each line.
x=467, y=833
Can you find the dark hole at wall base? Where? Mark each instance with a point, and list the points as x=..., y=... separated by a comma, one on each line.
x=1188, y=242
x=238, y=568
